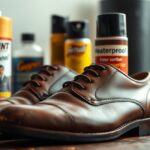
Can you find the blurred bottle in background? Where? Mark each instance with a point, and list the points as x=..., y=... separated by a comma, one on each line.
x=5, y=57
x=57, y=39
x=27, y=60
x=138, y=30
x=78, y=47
x=111, y=44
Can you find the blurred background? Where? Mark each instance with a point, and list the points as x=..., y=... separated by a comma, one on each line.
x=75, y=44
x=34, y=16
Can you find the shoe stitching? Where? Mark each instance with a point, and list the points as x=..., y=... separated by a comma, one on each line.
x=114, y=100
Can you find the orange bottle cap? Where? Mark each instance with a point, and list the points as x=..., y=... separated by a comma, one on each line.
x=5, y=28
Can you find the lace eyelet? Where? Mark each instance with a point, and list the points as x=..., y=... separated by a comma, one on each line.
x=44, y=96
x=45, y=79
x=52, y=74
x=39, y=85
x=66, y=84
x=91, y=81
x=105, y=68
x=98, y=75
x=84, y=88
x=56, y=68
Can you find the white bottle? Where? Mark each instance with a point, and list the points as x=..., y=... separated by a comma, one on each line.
x=27, y=60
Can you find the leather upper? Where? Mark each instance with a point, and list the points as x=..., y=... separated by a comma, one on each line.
x=101, y=99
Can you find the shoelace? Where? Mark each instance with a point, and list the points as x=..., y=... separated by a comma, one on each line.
x=84, y=76
x=36, y=78
x=47, y=70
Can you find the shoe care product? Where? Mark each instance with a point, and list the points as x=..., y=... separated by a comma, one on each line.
x=5, y=57
x=57, y=39
x=78, y=49
x=111, y=45
x=27, y=60
x=138, y=30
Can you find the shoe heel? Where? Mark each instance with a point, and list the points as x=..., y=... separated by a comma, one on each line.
x=144, y=129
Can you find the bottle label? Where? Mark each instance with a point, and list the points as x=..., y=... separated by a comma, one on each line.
x=5, y=68
x=78, y=55
x=24, y=68
x=114, y=52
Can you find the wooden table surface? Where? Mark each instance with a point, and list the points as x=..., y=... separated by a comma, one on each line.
x=124, y=143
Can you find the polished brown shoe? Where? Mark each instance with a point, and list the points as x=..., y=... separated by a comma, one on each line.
x=101, y=104
x=42, y=85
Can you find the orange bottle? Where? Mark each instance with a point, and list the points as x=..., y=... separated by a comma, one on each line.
x=57, y=39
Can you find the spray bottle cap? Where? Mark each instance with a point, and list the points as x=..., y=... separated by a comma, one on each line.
x=27, y=37
x=58, y=24
x=5, y=27
x=111, y=24
x=78, y=29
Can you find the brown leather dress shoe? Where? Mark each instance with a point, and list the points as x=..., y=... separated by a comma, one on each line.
x=100, y=104
x=48, y=81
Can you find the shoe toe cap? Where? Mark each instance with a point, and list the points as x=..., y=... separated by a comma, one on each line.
x=51, y=117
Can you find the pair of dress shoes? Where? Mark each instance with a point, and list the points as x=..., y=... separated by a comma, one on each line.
x=100, y=104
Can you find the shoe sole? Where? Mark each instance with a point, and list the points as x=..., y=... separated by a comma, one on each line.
x=143, y=126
